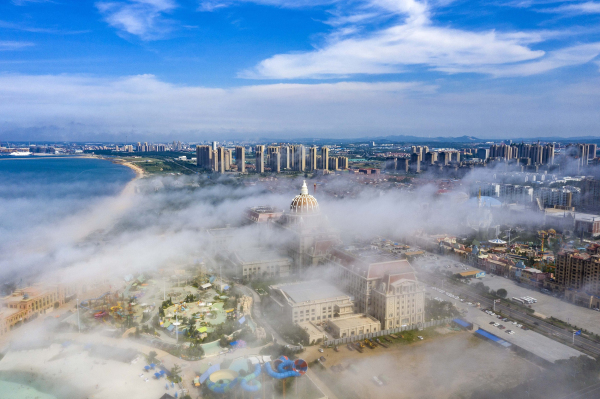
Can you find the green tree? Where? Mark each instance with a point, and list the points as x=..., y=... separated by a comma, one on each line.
x=152, y=357
x=501, y=293
x=175, y=373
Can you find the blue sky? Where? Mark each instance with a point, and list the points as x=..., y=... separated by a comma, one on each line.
x=200, y=69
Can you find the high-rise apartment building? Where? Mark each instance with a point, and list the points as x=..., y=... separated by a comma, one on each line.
x=324, y=158
x=204, y=156
x=274, y=159
x=333, y=163
x=240, y=159
x=260, y=158
x=312, y=158
x=299, y=158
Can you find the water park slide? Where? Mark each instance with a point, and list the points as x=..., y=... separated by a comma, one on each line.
x=286, y=368
x=222, y=381
x=249, y=383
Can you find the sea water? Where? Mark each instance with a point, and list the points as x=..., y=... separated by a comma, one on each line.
x=13, y=390
x=42, y=191
x=37, y=191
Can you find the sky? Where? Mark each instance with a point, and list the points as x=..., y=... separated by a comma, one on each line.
x=192, y=70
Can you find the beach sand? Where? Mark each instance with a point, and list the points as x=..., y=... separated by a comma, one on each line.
x=58, y=369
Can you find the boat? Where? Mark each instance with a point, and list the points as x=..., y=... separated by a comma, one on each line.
x=20, y=153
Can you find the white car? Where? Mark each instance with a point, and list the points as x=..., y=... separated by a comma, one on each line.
x=320, y=350
x=511, y=332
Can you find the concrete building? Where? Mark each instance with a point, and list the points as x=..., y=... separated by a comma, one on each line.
x=578, y=273
x=324, y=158
x=362, y=271
x=258, y=264
x=307, y=231
x=315, y=301
x=299, y=158
x=333, y=163
x=398, y=300
x=312, y=158
x=343, y=163
x=260, y=158
x=240, y=159
x=24, y=304
x=353, y=324
x=263, y=214
x=274, y=159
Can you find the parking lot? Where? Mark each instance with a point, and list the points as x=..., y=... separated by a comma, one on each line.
x=548, y=305
x=535, y=343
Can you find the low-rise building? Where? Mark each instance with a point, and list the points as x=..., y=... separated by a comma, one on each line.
x=314, y=301
x=26, y=303
x=353, y=324
x=258, y=263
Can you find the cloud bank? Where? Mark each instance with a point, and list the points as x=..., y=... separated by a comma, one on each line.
x=86, y=108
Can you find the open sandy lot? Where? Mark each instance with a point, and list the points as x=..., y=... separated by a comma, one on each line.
x=449, y=366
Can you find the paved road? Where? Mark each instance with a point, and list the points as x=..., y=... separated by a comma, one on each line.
x=258, y=314
x=581, y=342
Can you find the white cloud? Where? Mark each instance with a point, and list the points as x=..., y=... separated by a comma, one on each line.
x=585, y=8
x=87, y=108
x=574, y=55
x=142, y=18
x=211, y=5
x=413, y=40
x=13, y=45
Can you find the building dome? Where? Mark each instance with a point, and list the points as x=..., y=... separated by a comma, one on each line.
x=304, y=203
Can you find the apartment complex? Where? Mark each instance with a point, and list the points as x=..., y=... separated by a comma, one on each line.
x=578, y=272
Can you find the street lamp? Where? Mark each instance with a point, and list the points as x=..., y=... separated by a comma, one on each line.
x=495, y=300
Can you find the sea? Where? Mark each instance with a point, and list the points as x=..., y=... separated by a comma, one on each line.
x=41, y=190
x=38, y=191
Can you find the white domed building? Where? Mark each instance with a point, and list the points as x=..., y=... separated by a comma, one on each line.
x=311, y=236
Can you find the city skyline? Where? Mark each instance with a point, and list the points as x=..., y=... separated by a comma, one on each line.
x=189, y=70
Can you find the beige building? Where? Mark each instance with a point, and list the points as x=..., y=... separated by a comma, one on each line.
x=311, y=301
x=309, y=234
x=383, y=285
x=259, y=263
x=398, y=301
x=23, y=304
x=354, y=324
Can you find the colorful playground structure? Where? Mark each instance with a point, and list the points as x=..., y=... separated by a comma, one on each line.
x=223, y=381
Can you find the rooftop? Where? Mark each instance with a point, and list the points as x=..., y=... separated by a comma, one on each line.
x=315, y=290
x=256, y=256
x=355, y=320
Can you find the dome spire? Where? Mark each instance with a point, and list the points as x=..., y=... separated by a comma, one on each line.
x=304, y=189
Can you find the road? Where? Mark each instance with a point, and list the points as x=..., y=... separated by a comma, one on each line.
x=581, y=342
x=257, y=313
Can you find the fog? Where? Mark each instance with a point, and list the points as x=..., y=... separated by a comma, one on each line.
x=161, y=222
